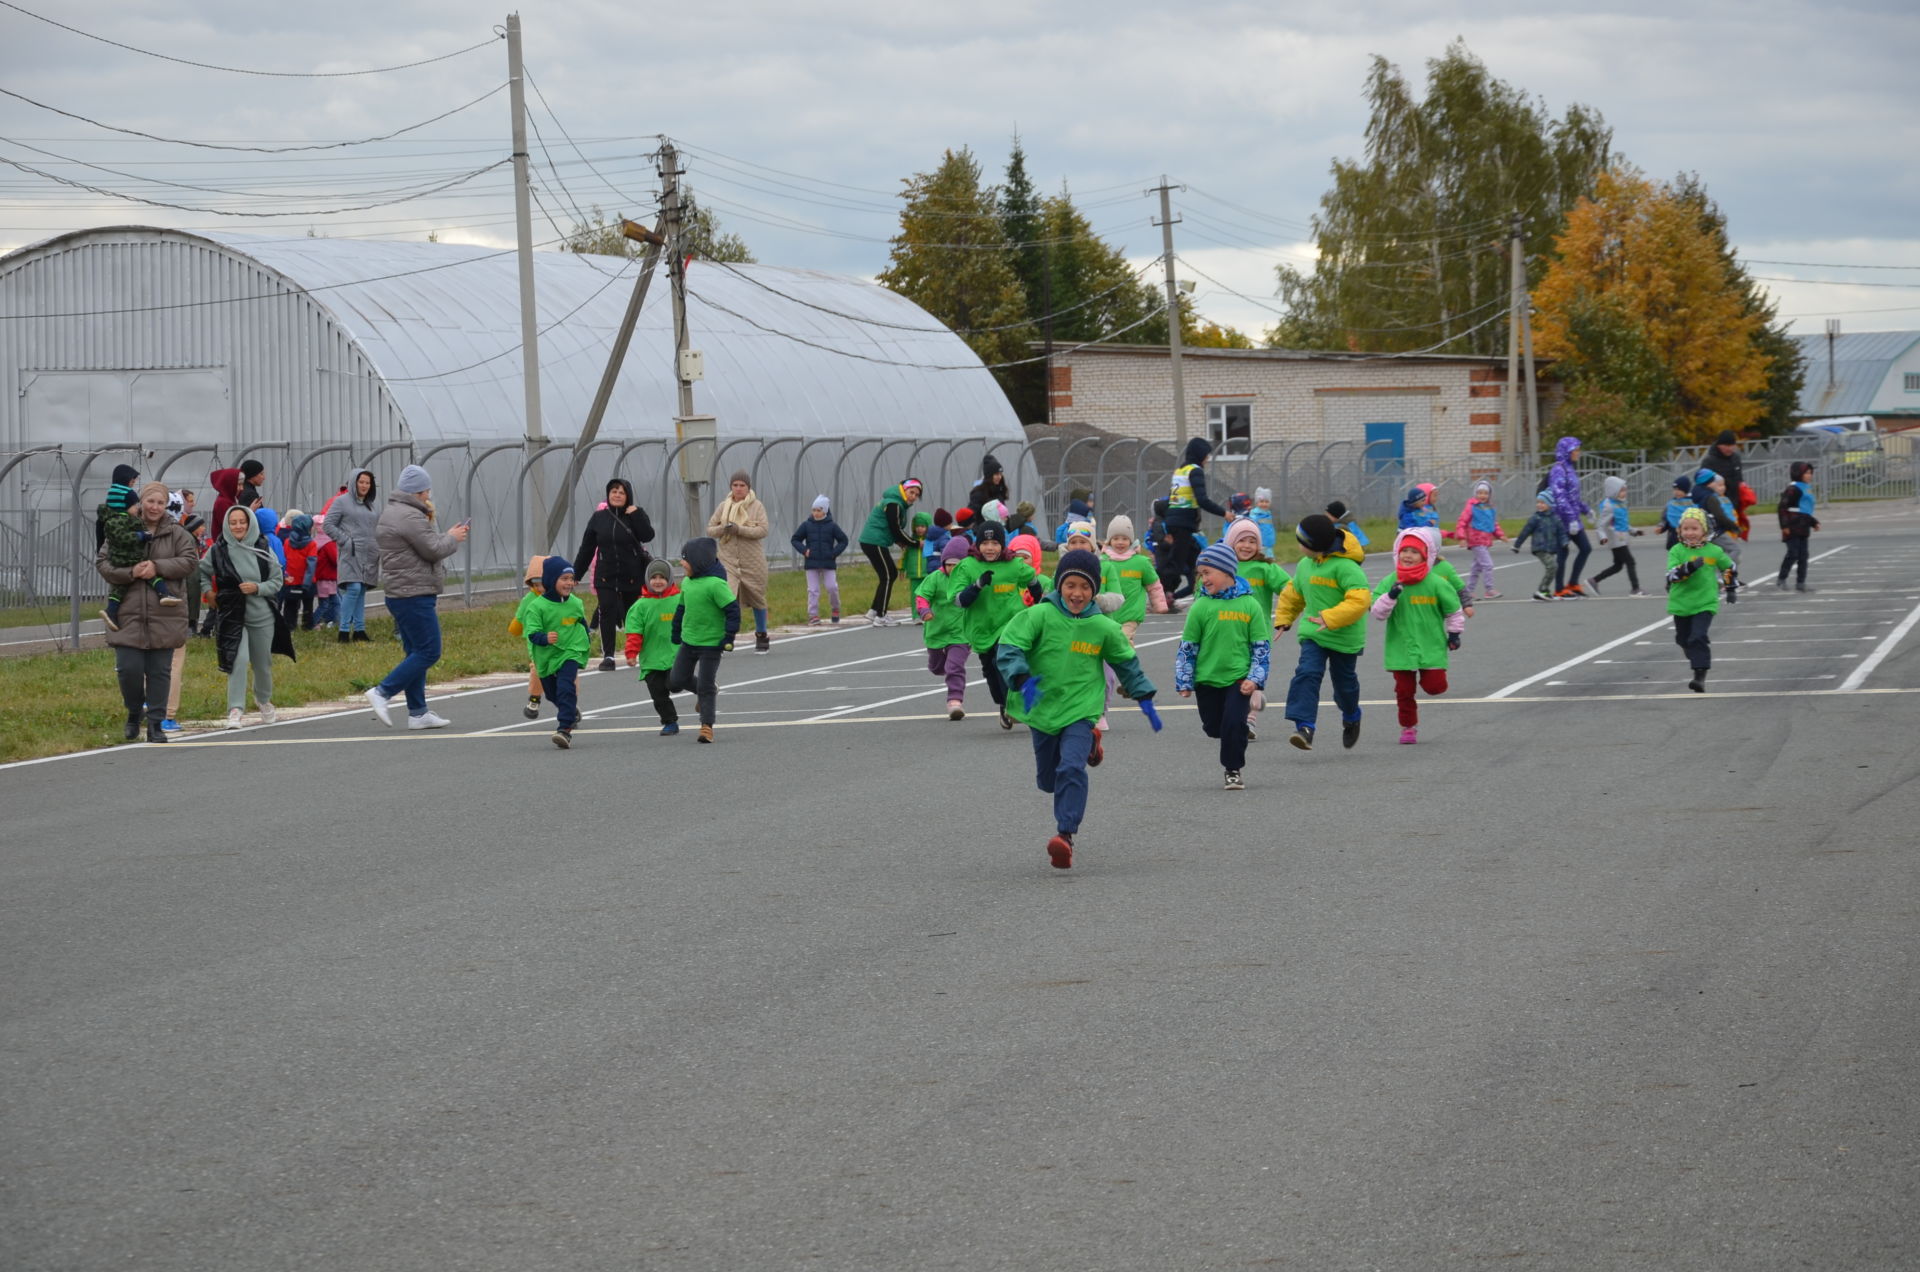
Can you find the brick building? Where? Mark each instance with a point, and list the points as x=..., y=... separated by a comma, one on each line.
x=1428, y=410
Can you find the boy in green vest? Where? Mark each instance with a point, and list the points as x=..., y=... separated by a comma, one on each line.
x=1053, y=654
x=988, y=585
x=559, y=641
x=1222, y=659
x=1331, y=593
x=704, y=625
x=650, y=646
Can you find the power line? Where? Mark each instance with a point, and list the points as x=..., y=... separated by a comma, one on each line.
x=184, y=207
x=241, y=70
x=1496, y=302
x=1826, y=282
x=560, y=321
x=569, y=136
x=1754, y=260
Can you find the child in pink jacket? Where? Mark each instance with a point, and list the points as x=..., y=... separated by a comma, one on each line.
x=1479, y=529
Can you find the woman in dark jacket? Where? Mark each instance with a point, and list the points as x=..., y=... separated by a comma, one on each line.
x=615, y=542
x=992, y=485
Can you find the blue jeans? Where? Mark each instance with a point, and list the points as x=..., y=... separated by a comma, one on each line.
x=353, y=607
x=419, y=628
x=1060, y=769
x=1303, y=695
x=562, y=692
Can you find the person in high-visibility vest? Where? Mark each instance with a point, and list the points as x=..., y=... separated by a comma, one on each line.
x=1186, y=500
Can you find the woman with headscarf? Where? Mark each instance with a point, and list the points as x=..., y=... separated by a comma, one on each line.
x=412, y=557
x=739, y=526
x=148, y=632
x=889, y=526
x=615, y=541
x=351, y=521
x=246, y=577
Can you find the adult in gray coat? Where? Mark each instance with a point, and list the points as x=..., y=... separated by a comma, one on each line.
x=351, y=524
x=412, y=552
x=247, y=577
x=149, y=632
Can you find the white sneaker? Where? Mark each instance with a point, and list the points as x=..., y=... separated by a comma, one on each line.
x=428, y=721
x=234, y=717
x=379, y=702
x=267, y=713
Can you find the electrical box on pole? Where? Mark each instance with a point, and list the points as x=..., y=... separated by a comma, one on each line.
x=693, y=365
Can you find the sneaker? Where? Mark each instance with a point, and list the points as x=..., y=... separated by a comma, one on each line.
x=706, y=733
x=1640, y=591
x=1302, y=737
x=170, y=726
x=532, y=709
x=1543, y=595
x=234, y=717
x=169, y=598
x=1595, y=585
x=874, y=618
x=1349, y=733
x=836, y=618
x=761, y=642
x=379, y=702
x=814, y=621
x=1490, y=595
x=1233, y=782
x=1060, y=851
x=428, y=721
x=670, y=728
x=955, y=710
x=267, y=714
x=1006, y=720
x=1409, y=736
x=1252, y=735
x=563, y=739
x=606, y=664
x=1804, y=588
x=1099, y=751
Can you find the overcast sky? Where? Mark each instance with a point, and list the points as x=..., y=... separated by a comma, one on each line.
x=800, y=120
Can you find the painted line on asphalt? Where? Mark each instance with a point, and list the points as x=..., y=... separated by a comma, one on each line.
x=1874, y=659
x=1509, y=690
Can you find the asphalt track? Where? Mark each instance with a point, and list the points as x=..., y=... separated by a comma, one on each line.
x=1601, y=974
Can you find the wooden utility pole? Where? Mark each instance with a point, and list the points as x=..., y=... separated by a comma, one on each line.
x=1173, y=313
x=534, y=430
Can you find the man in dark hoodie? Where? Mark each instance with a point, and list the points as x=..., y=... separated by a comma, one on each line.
x=704, y=625
x=1186, y=500
x=615, y=541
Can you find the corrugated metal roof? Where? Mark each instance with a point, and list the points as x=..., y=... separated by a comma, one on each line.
x=1861, y=360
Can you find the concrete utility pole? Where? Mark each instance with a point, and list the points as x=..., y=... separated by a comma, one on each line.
x=1516, y=298
x=535, y=430
x=1173, y=312
x=676, y=234
x=1534, y=440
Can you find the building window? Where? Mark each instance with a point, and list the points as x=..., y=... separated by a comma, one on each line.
x=1230, y=422
x=1913, y=381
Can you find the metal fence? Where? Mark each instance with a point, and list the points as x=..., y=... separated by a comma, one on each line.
x=46, y=539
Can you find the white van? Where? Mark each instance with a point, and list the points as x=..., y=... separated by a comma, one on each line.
x=1856, y=432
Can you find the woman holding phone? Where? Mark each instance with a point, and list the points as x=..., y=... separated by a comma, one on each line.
x=411, y=571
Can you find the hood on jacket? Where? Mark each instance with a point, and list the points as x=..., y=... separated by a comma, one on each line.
x=1483, y=488
x=550, y=571
x=702, y=556
x=1239, y=503
x=1198, y=448
x=623, y=485
x=1613, y=487
x=225, y=481
x=251, y=538
x=1077, y=510
x=1565, y=447
x=1429, y=541
x=299, y=530
x=269, y=520
x=1798, y=470
x=353, y=483
x=1029, y=547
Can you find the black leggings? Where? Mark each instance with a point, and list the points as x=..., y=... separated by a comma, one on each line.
x=1183, y=552
x=697, y=667
x=990, y=668
x=1622, y=560
x=1796, y=557
x=884, y=569
x=611, y=618
x=1690, y=633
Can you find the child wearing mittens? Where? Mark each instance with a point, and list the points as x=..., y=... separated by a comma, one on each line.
x=1267, y=579
x=704, y=625
x=650, y=643
x=943, y=625
x=1223, y=655
x=559, y=641
x=1052, y=655
x=1694, y=567
x=1424, y=619
x=991, y=587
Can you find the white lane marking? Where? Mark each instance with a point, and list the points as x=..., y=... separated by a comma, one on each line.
x=1769, y=640
x=1734, y=680
x=1655, y=662
x=1509, y=690
x=1865, y=669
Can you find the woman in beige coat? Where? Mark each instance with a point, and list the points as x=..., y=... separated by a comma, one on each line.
x=739, y=526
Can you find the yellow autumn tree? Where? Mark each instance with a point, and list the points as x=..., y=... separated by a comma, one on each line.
x=1636, y=269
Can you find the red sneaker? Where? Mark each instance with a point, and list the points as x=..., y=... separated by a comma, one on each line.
x=1099, y=751
x=1060, y=849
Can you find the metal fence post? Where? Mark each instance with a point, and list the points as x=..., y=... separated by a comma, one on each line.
x=466, y=593
x=293, y=487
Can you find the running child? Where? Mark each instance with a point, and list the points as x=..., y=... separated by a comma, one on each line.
x=1797, y=523
x=1723, y=519
x=1417, y=509
x=1140, y=589
x=1479, y=528
x=1355, y=541
x=560, y=642
x=535, y=581
x=913, y=557
x=1331, y=593
x=650, y=647
x=1424, y=620
x=819, y=540
x=1266, y=578
x=704, y=625
x=990, y=587
x=1681, y=500
x=1693, y=592
x=943, y=626
x=1223, y=656
x=1052, y=654
x=120, y=528
x=1549, y=537
x=1611, y=520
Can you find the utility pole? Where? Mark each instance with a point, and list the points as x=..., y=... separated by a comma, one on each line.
x=676, y=234
x=535, y=431
x=1516, y=297
x=1173, y=313
x=1534, y=439
x=1046, y=299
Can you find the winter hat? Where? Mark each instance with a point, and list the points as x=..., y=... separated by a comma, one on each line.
x=740, y=475
x=1542, y=497
x=1705, y=477
x=1023, y=512
x=1727, y=438
x=300, y=529
x=1120, y=526
x=1080, y=494
x=990, y=530
x=822, y=504
x=1683, y=484
x=176, y=506
x=550, y=571
x=1082, y=528
x=990, y=467
x=1479, y=486
x=956, y=550
x=994, y=510
x=1317, y=533
x=1427, y=540
x=1220, y=557
x=120, y=496
x=1698, y=515
x=1080, y=563
x=1261, y=492
x=961, y=517
x=415, y=480
x=534, y=568
x=911, y=483
x=1028, y=546
x=1238, y=530
x=1612, y=486
x=1797, y=472
x=124, y=475
x=942, y=518
x=251, y=469
x=1239, y=503
x=660, y=567
x=1426, y=488
x=1337, y=510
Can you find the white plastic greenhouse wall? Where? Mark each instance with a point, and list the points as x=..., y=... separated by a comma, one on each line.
x=317, y=353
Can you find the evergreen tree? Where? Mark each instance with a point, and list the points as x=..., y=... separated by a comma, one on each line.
x=1412, y=239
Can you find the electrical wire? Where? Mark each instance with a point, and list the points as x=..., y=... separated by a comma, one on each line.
x=570, y=141
x=241, y=70
x=1371, y=331
x=184, y=207
x=1827, y=282
x=1754, y=260
x=626, y=264
x=265, y=150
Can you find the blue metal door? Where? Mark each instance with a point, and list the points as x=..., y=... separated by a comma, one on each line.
x=1393, y=456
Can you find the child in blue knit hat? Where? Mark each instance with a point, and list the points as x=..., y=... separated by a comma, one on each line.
x=1223, y=654
x=559, y=641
